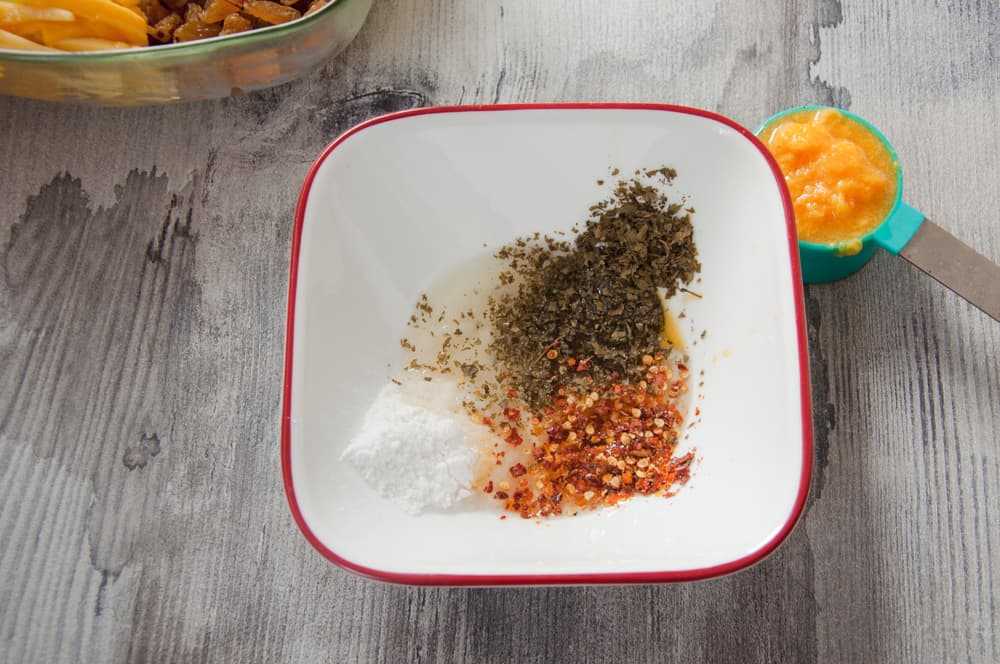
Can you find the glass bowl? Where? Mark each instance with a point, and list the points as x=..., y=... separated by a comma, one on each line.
x=206, y=69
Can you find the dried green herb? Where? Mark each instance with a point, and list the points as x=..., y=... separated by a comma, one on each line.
x=594, y=300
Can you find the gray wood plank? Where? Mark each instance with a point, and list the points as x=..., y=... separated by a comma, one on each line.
x=143, y=267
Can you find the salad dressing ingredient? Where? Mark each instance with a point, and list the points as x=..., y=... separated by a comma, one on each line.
x=595, y=299
x=841, y=177
x=599, y=448
x=412, y=450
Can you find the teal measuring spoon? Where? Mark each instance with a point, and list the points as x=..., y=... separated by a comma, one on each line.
x=905, y=232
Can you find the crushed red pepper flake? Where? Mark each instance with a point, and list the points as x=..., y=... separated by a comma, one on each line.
x=596, y=449
x=514, y=438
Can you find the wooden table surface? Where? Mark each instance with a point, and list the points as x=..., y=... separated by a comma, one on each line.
x=144, y=258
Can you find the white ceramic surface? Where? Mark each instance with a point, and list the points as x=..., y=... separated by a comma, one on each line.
x=394, y=202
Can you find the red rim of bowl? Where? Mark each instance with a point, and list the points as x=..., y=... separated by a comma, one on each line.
x=552, y=579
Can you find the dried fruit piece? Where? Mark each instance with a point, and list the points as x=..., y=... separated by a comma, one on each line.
x=314, y=6
x=164, y=29
x=153, y=10
x=235, y=23
x=192, y=30
x=218, y=10
x=270, y=12
x=193, y=12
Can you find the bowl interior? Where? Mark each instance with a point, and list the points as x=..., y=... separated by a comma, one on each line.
x=395, y=203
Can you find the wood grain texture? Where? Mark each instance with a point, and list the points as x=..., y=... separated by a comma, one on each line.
x=143, y=267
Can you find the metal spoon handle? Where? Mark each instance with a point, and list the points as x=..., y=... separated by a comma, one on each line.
x=956, y=265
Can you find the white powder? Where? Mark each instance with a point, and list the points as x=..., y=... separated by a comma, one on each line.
x=413, y=450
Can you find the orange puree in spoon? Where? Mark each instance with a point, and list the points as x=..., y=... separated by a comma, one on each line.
x=841, y=178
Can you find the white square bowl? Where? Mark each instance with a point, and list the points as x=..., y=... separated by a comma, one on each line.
x=397, y=200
